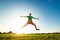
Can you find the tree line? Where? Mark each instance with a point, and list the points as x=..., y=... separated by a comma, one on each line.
x=6, y=32
x=10, y=32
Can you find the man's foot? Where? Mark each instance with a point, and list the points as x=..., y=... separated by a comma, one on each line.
x=37, y=29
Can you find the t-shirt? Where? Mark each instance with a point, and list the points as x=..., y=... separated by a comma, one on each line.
x=29, y=17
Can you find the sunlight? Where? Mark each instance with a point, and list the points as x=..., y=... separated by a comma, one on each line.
x=20, y=21
x=13, y=21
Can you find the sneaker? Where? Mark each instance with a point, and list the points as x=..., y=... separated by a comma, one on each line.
x=37, y=29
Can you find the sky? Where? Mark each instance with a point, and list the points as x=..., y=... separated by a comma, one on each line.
x=48, y=12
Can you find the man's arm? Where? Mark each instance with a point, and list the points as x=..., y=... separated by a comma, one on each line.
x=23, y=16
x=36, y=18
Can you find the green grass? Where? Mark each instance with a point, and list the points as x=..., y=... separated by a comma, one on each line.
x=29, y=36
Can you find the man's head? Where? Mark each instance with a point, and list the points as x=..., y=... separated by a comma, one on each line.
x=30, y=14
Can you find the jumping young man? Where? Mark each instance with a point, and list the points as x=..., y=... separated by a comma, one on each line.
x=30, y=20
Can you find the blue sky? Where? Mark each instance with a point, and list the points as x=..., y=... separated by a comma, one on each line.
x=48, y=12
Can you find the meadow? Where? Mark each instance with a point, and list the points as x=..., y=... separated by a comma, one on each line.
x=39, y=36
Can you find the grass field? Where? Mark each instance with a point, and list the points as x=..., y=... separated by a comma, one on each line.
x=29, y=36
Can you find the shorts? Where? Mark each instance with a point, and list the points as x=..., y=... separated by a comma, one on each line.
x=30, y=22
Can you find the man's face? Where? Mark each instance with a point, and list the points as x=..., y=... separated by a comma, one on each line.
x=30, y=14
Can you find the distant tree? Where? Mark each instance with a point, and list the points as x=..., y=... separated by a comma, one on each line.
x=0, y=32
x=4, y=32
x=10, y=32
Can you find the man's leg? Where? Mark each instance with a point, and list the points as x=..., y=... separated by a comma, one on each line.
x=35, y=26
x=24, y=25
